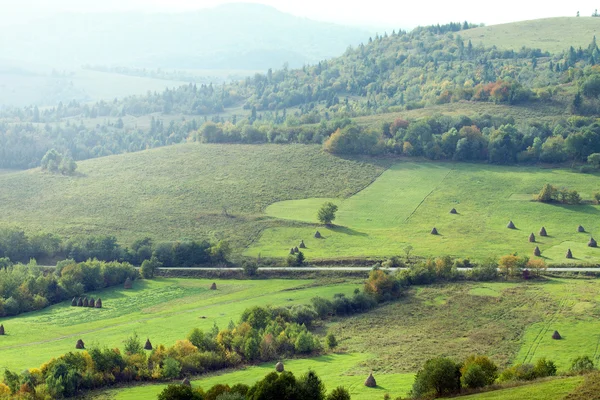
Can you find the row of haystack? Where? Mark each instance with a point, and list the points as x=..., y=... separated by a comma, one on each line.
x=296, y=250
x=537, y=252
x=80, y=345
x=434, y=231
x=86, y=303
x=370, y=382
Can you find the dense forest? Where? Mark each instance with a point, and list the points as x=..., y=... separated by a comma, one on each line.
x=401, y=71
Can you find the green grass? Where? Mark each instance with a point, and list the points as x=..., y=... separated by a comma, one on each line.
x=179, y=192
x=550, y=34
x=554, y=389
x=497, y=319
x=402, y=206
x=163, y=310
x=335, y=370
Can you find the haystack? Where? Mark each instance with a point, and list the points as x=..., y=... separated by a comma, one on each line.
x=543, y=232
x=296, y=250
x=292, y=252
x=537, y=252
x=213, y=286
x=148, y=345
x=99, y=303
x=80, y=302
x=580, y=229
x=1, y=330
x=302, y=245
x=532, y=238
x=370, y=382
x=434, y=231
x=128, y=284
x=80, y=345
x=279, y=367
x=556, y=336
x=74, y=302
x=86, y=302
x=318, y=235
x=569, y=254
x=592, y=243
x=453, y=211
x=92, y=302
x=186, y=382
x=511, y=225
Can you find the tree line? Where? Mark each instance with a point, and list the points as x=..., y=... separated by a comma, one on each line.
x=28, y=287
x=19, y=246
x=405, y=70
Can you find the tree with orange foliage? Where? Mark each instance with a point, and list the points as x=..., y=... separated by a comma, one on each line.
x=382, y=286
x=512, y=264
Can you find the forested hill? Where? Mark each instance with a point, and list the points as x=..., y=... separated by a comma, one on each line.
x=231, y=36
x=395, y=72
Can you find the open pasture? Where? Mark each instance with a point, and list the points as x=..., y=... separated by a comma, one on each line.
x=403, y=205
x=500, y=319
x=163, y=310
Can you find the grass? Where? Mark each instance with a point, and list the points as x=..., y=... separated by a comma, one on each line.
x=402, y=206
x=554, y=389
x=163, y=310
x=334, y=370
x=499, y=319
x=549, y=34
x=179, y=192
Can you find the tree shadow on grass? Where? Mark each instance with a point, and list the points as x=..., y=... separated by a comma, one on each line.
x=347, y=231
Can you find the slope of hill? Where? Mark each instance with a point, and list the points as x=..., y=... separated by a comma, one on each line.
x=232, y=36
x=549, y=34
x=178, y=192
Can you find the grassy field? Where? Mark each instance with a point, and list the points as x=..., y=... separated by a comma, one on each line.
x=402, y=206
x=550, y=34
x=554, y=389
x=163, y=310
x=180, y=191
x=502, y=320
x=334, y=369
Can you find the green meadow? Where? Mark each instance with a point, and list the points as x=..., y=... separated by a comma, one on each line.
x=403, y=205
x=163, y=310
x=509, y=322
x=549, y=34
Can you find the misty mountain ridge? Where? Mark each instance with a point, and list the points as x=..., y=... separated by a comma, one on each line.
x=231, y=36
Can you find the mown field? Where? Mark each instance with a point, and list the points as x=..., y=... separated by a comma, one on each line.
x=180, y=192
x=163, y=310
x=403, y=205
x=549, y=34
x=510, y=322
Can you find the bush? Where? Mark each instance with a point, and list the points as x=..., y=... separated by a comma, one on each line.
x=439, y=377
x=544, y=367
x=171, y=368
x=304, y=343
x=331, y=341
x=582, y=365
x=339, y=393
x=478, y=371
x=250, y=268
x=179, y=392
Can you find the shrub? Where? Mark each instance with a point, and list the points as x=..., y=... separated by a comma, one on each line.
x=179, y=392
x=250, y=268
x=582, y=365
x=339, y=393
x=484, y=375
x=439, y=376
x=304, y=343
x=171, y=368
x=331, y=341
x=382, y=286
x=544, y=367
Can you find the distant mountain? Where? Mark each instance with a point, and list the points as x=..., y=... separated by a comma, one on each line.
x=232, y=36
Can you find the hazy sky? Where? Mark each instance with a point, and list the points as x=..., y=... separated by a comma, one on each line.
x=372, y=13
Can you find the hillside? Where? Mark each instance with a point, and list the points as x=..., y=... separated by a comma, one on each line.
x=264, y=199
x=178, y=192
x=231, y=36
x=549, y=34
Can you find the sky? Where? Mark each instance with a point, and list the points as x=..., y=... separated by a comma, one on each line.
x=382, y=14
